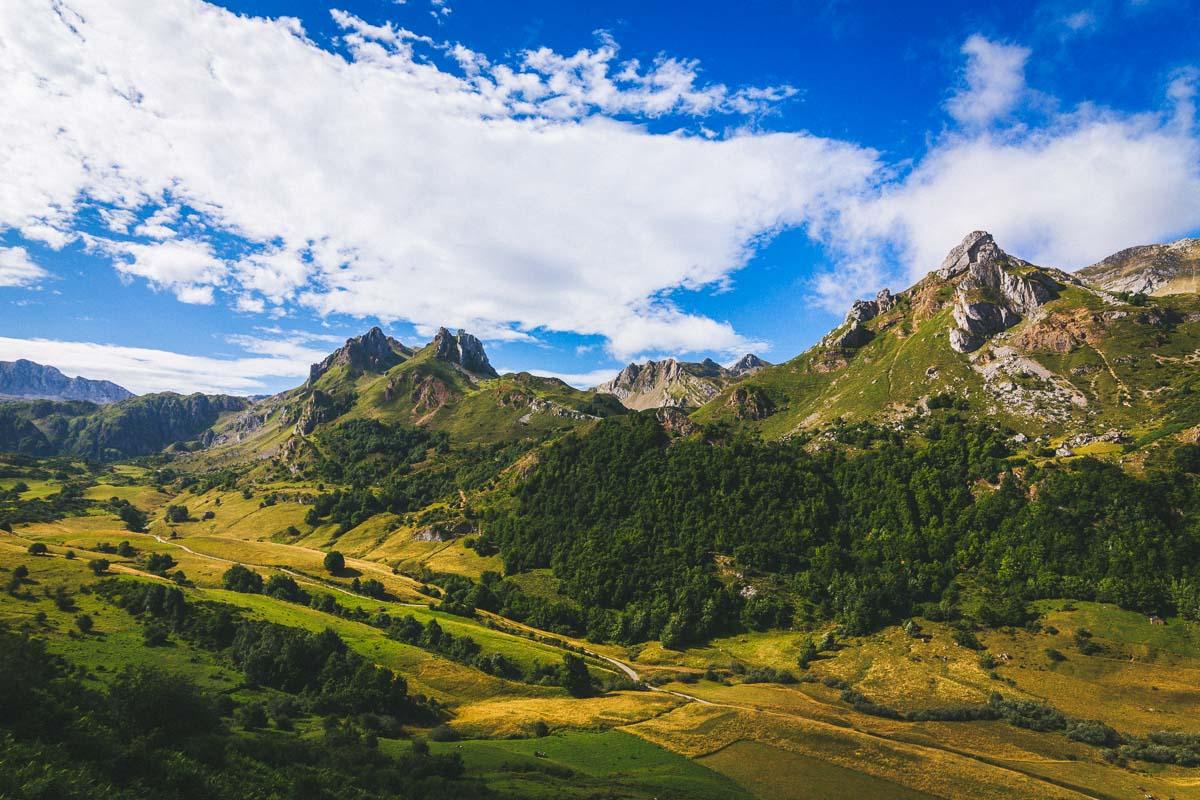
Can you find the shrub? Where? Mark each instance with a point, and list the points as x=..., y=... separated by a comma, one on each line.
x=37, y=549
x=1094, y=732
x=334, y=562
x=98, y=565
x=965, y=638
x=207, y=515
x=20, y=572
x=443, y=733
x=177, y=514
x=1054, y=655
x=240, y=579
x=70, y=555
x=84, y=623
x=125, y=550
x=155, y=635
x=252, y=716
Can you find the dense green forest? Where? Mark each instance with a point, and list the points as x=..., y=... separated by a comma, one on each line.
x=867, y=531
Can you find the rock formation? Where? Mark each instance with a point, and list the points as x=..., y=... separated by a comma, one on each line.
x=463, y=350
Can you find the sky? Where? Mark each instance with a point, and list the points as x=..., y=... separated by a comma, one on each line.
x=211, y=196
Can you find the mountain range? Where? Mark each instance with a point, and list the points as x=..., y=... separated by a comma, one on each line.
x=1109, y=350
x=22, y=379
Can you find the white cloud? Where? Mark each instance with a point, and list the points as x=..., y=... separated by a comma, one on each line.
x=994, y=78
x=1087, y=183
x=148, y=370
x=1083, y=21
x=505, y=201
x=187, y=268
x=16, y=268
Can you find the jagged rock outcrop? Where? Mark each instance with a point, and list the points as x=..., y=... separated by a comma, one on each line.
x=27, y=380
x=750, y=403
x=994, y=292
x=864, y=310
x=668, y=383
x=676, y=422
x=374, y=351
x=1155, y=269
x=463, y=350
x=748, y=365
x=320, y=408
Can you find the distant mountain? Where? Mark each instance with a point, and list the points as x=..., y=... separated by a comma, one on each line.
x=676, y=384
x=26, y=380
x=138, y=426
x=1153, y=269
x=1044, y=351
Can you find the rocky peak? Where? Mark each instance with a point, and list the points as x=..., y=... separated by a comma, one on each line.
x=994, y=292
x=748, y=365
x=978, y=247
x=374, y=351
x=667, y=383
x=463, y=350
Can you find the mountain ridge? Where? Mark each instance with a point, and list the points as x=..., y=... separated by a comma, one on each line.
x=27, y=380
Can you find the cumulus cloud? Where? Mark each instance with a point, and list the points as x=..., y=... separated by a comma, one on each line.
x=16, y=268
x=139, y=369
x=994, y=80
x=1066, y=193
x=506, y=198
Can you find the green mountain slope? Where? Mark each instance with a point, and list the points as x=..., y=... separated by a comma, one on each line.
x=1035, y=348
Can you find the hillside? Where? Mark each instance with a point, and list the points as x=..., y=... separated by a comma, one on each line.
x=139, y=426
x=1035, y=348
x=26, y=380
x=676, y=384
x=447, y=386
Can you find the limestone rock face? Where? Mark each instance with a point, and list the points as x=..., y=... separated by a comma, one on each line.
x=464, y=350
x=374, y=351
x=1156, y=269
x=995, y=290
x=668, y=384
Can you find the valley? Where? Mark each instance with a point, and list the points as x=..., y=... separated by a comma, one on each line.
x=949, y=552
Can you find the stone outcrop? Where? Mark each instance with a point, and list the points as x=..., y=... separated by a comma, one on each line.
x=463, y=350
x=667, y=383
x=374, y=351
x=750, y=403
x=994, y=290
x=26, y=380
x=1149, y=269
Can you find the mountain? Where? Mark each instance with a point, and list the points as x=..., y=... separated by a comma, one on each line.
x=138, y=426
x=447, y=386
x=1037, y=348
x=27, y=380
x=676, y=384
x=1154, y=269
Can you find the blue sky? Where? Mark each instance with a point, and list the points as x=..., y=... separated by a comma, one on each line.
x=195, y=199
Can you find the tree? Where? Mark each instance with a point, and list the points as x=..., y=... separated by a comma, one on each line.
x=98, y=565
x=575, y=676
x=134, y=519
x=335, y=562
x=240, y=579
x=177, y=514
x=84, y=623
x=1187, y=458
x=252, y=716
x=20, y=572
x=125, y=550
x=808, y=653
x=37, y=549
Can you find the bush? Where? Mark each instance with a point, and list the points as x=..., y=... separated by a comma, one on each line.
x=84, y=623
x=252, y=716
x=125, y=550
x=159, y=563
x=1054, y=655
x=98, y=565
x=177, y=514
x=37, y=549
x=20, y=572
x=1092, y=732
x=443, y=733
x=240, y=579
x=334, y=562
x=965, y=638
x=69, y=555
x=207, y=515
x=155, y=635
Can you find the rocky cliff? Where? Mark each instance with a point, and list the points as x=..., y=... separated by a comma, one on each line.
x=374, y=351
x=22, y=379
x=1154, y=269
x=463, y=350
x=677, y=384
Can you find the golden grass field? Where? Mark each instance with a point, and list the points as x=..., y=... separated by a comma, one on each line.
x=765, y=740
